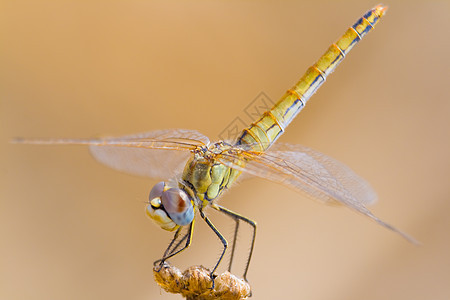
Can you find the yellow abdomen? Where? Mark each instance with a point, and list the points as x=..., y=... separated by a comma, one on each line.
x=261, y=134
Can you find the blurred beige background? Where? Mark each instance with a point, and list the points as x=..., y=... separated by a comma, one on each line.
x=74, y=229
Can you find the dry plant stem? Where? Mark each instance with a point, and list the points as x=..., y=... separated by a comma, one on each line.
x=195, y=283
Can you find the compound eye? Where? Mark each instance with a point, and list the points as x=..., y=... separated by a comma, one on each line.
x=178, y=206
x=156, y=191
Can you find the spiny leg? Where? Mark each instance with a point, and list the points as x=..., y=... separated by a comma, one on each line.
x=185, y=236
x=177, y=233
x=233, y=247
x=188, y=235
x=169, y=250
x=238, y=217
x=222, y=239
x=170, y=253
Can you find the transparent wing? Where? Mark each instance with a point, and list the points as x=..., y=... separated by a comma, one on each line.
x=310, y=173
x=152, y=162
x=158, y=154
x=346, y=181
x=305, y=170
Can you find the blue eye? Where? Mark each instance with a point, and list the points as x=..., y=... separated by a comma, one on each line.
x=156, y=191
x=178, y=206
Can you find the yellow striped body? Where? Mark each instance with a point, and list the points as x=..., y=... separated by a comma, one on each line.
x=261, y=134
x=208, y=179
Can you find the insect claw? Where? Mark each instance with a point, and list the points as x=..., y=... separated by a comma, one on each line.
x=162, y=263
x=213, y=277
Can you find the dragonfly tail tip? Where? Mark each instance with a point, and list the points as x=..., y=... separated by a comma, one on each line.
x=381, y=9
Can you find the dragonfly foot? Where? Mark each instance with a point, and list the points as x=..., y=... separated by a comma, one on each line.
x=159, y=264
x=213, y=277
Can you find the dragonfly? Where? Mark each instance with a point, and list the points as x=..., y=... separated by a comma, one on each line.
x=198, y=171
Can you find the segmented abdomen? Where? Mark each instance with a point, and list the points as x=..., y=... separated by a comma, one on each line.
x=261, y=134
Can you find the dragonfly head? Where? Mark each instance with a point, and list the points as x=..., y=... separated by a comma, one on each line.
x=169, y=207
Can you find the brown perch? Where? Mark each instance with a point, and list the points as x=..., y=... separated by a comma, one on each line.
x=195, y=283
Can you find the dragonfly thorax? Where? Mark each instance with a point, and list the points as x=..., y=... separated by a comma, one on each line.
x=205, y=175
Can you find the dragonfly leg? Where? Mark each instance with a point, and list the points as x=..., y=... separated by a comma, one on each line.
x=170, y=252
x=238, y=217
x=185, y=236
x=233, y=246
x=222, y=239
x=177, y=233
